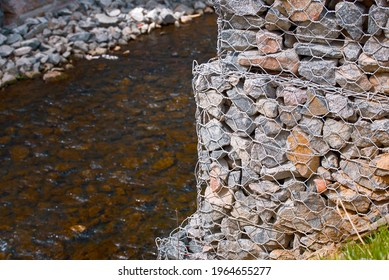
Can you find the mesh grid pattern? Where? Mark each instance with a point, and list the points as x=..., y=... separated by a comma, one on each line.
x=293, y=131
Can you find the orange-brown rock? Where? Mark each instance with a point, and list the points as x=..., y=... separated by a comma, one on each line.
x=301, y=154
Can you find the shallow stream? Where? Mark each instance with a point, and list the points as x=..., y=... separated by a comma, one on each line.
x=99, y=165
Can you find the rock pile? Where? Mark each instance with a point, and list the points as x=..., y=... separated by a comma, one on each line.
x=86, y=27
x=293, y=126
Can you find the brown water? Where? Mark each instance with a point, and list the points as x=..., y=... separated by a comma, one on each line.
x=95, y=167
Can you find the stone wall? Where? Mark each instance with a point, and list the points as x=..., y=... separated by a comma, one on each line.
x=15, y=11
x=293, y=126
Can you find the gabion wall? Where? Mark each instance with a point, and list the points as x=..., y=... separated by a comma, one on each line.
x=293, y=131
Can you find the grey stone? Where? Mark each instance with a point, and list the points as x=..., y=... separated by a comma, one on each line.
x=212, y=102
x=292, y=95
x=80, y=45
x=318, y=50
x=244, y=210
x=378, y=17
x=330, y=161
x=380, y=132
x=350, y=16
x=268, y=237
x=219, y=83
x=244, y=22
x=104, y=19
x=214, y=136
x=22, y=51
x=167, y=16
x=269, y=152
x=324, y=30
x=54, y=58
x=319, y=71
x=266, y=209
x=293, y=185
x=211, y=215
x=80, y=36
x=114, y=13
x=371, y=110
x=377, y=48
x=283, y=171
x=340, y=106
x=264, y=188
x=350, y=77
x=242, y=249
x=32, y=43
x=289, y=115
x=319, y=145
x=172, y=249
x=243, y=7
x=2, y=39
x=240, y=122
x=14, y=38
x=276, y=21
x=248, y=174
x=351, y=50
x=241, y=100
x=336, y=133
x=270, y=127
x=8, y=78
x=302, y=213
x=5, y=50
x=267, y=107
x=203, y=74
x=21, y=29
x=137, y=14
x=102, y=37
x=24, y=62
x=230, y=228
x=360, y=172
x=37, y=29
x=312, y=126
x=237, y=40
x=234, y=180
x=352, y=200
x=241, y=147
x=362, y=134
x=214, y=237
x=259, y=87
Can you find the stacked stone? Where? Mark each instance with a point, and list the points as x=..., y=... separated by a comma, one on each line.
x=293, y=126
x=85, y=28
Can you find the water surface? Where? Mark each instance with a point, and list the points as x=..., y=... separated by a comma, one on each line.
x=99, y=165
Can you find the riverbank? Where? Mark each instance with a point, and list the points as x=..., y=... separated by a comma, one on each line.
x=45, y=46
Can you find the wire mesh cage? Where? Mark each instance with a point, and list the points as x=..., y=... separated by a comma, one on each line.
x=293, y=131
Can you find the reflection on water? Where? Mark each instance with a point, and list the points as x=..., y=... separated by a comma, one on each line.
x=94, y=167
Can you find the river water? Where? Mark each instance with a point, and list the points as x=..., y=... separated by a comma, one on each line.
x=99, y=165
